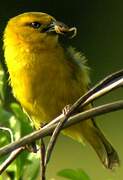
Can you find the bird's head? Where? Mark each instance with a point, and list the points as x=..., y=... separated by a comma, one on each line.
x=36, y=28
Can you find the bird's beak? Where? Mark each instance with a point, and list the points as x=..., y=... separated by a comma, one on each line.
x=62, y=29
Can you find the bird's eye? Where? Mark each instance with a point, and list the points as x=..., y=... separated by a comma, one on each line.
x=36, y=25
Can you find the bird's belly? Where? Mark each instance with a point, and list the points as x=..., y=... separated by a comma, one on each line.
x=51, y=97
x=44, y=94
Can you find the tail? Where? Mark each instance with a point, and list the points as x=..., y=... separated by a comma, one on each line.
x=103, y=148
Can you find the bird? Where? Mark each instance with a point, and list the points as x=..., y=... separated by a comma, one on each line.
x=45, y=76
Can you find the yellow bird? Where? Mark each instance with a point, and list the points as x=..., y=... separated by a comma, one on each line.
x=45, y=76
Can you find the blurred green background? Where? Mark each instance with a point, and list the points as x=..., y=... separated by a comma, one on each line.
x=100, y=37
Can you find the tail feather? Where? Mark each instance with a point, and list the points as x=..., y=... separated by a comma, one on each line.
x=103, y=148
x=112, y=156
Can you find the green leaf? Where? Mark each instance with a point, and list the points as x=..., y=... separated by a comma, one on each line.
x=82, y=174
x=33, y=168
x=78, y=174
x=22, y=119
x=68, y=173
x=21, y=162
x=4, y=116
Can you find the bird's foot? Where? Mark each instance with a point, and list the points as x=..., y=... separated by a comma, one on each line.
x=66, y=109
x=32, y=147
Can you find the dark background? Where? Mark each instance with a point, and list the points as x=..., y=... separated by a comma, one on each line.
x=100, y=37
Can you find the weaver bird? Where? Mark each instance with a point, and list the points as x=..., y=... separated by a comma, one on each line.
x=45, y=76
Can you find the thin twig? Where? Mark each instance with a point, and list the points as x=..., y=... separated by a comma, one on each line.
x=45, y=131
x=13, y=155
x=10, y=159
x=108, y=88
x=42, y=149
x=111, y=82
x=108, y=84
x=9, y=131
x=98, y=88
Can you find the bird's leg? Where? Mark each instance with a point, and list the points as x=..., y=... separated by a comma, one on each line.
x=54, y=136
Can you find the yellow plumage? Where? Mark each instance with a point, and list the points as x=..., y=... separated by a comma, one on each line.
x=45, y=77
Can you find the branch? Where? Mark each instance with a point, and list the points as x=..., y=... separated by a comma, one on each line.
x=10, y=159
x=45, y=131
x=111, y=82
